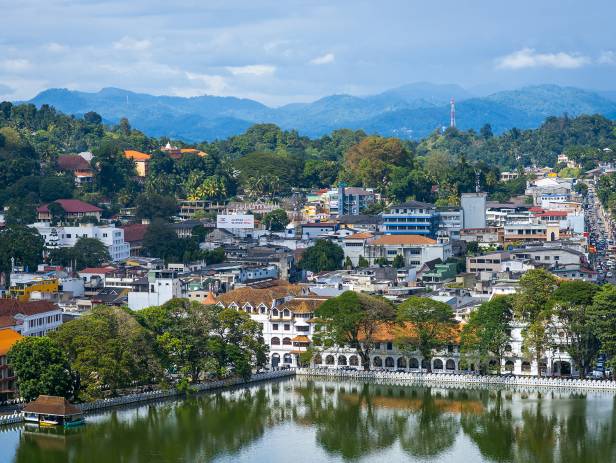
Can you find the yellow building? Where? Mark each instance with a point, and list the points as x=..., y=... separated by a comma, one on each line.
x=22, y=286
x=141, y=160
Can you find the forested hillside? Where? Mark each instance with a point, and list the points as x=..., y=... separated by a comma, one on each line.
x=266, y=161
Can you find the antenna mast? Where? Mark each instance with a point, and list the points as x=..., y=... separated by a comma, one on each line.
x=452, y=113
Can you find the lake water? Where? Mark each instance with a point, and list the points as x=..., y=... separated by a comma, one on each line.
x=303, y=420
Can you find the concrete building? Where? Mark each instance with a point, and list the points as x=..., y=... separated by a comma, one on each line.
x=8, y=380
x=67, y=237
x=354, y=246
x=450, y=221
x=349, y=200
x=30, y=318
x=474, y=207
x=491, y=262
x=319, y=229
x=410, y=218
x=416, y=250
x=158, y=287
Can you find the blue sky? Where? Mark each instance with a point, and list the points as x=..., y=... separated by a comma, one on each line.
x=286, y=51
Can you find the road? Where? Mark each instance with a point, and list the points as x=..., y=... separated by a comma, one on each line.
x=601, y=236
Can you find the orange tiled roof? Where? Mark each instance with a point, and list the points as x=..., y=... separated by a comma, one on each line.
x=300, y=338
x=359, y=236
x=136, y=155
x=390, y=332
x=209, y=299
x=394, y=240
x=303, y=305
x=8, y=337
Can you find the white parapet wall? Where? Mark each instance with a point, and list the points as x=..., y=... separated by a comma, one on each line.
x=459, y=379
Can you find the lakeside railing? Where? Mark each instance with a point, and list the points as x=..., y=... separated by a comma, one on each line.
x=461, y=379
x=161, y=394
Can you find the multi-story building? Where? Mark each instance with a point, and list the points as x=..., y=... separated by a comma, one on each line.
x=490, y=262
x=354, y=246
x=8, y=380
x=30, y=318
x=450, y=221
x=415, y=249
x=410, y=218
x=474, y=207
x=158, y=287
x=286, y=313
x=348, y=200
x=67, y=237
x=531, y=230
x=24, y=285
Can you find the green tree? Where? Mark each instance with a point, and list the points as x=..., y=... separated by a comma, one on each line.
x=22, y=243
x=236, y=341
x=533, y=306
x=602, y=316
x=57, y=213
x=354, y=320
x=427, y=325
x=155, y=206
x=108, y=348
x=20, y=211
x=572, y=303
x=362, y=262
x=87, y=252
x=486, y=336
x=276, y=220
x=182, y=331
x=322, y=256
x=398, y=261
x=41, y=367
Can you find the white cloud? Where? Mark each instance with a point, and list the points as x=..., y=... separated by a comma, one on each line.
x=327, y=58
x=529, y=58
x=210, y=84
x=55, y=47
x=132, y=44
x=15, y=65
x=252, y=70
x=607, y=57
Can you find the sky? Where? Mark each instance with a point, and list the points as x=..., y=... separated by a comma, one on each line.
x=280, y=52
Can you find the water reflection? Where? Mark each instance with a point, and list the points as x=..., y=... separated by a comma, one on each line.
x=349, y=421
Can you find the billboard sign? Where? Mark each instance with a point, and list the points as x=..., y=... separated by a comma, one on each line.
x=235, y=221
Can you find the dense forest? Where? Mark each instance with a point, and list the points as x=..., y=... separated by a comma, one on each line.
x=266, y=161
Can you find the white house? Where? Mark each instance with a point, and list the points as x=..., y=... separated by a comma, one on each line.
x=158, y=287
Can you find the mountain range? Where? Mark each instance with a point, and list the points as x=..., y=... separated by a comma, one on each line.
x=411, y=111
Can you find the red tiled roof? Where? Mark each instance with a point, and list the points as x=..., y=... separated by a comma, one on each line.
x=134, y=232
x=71, y=162
x=71, y=206
x=13, y=307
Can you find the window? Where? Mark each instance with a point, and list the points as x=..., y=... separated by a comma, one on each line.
x=556, y=257
x=68, y=235
x=390, y=345
x=287, y=327
x=275, y=326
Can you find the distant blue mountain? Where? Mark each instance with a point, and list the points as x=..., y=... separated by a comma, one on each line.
x=411, y=111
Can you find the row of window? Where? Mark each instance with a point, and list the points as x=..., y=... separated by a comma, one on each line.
x=42, y=320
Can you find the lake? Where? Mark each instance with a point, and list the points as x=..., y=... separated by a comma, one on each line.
x=305, y=420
